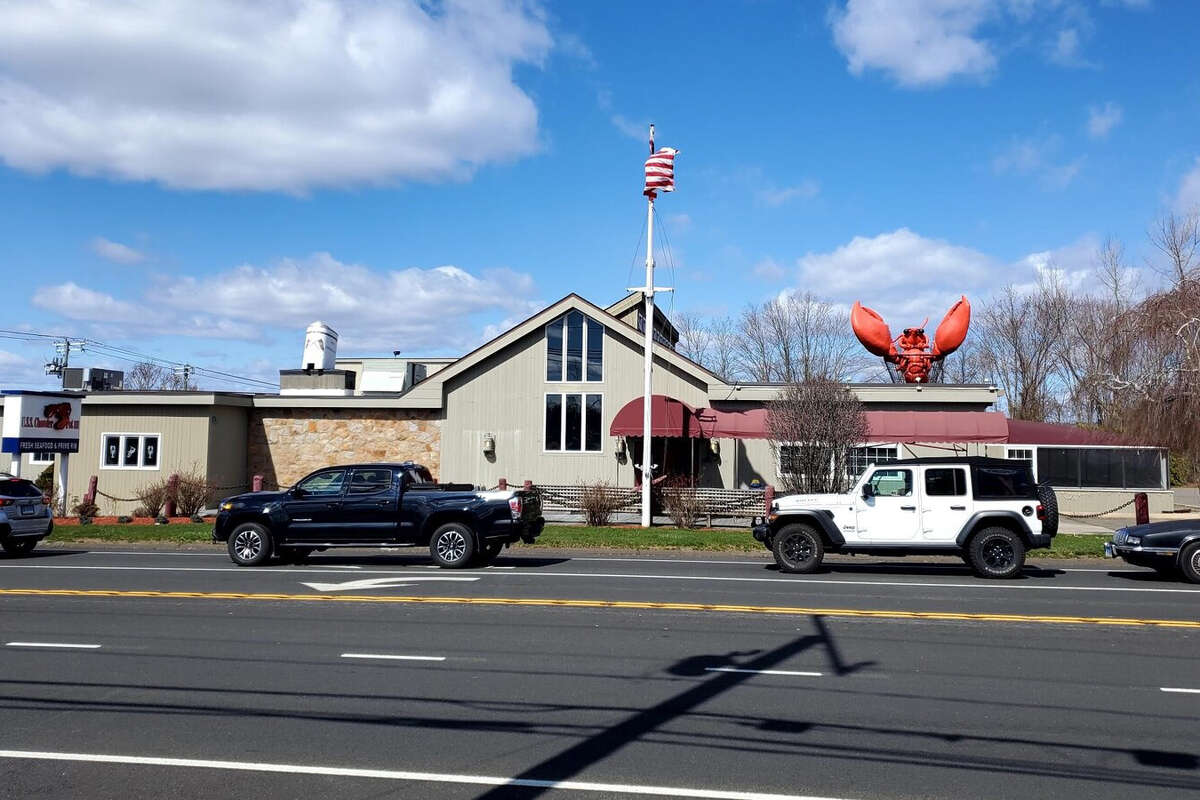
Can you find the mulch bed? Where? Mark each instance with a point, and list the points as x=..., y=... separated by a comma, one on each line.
x=69, y=521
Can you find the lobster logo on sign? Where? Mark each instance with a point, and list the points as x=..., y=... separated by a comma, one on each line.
x=911, y=352
x=58, y=415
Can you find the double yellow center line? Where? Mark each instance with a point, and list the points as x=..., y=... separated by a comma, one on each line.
x=619, y=604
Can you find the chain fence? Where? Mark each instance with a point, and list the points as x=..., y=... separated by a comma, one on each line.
x=1113, y=510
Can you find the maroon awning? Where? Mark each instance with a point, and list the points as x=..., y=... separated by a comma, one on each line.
x=669, y=417
x=882, y=426
x=1022, y=431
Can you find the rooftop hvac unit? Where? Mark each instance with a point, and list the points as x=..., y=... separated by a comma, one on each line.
x=105, y=380
x=73, y=378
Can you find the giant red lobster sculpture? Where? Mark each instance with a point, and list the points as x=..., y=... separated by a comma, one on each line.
x=910, y=352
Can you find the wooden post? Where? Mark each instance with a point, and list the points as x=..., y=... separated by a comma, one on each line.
x=769, y=497
x=528, y=486
x=1141, y=508
x=90, y=495
x=256, y=483
x=503, y=484
x=172, y=490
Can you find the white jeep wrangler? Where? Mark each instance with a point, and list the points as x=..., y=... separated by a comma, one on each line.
x=989, y=511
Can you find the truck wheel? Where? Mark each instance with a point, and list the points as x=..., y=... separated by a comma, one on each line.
x=1189, y=562
x=798, y=549
x=19, y=547
x=249, y=545
x=452, y=545
x=488, y=553
x=996, y=553
x=1049, y=501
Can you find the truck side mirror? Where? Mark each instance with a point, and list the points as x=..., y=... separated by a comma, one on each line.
x=868, y=491
x=297, y=492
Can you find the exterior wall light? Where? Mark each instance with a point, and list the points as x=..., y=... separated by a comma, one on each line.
x=715, y=446
x=620, y=447
x=489, y=444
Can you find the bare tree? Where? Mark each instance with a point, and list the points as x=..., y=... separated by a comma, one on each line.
x=1177, y=237
x=146, y=376
x=695, y=341
x=724, y=347
x=755, y=352
x=813, y=426
x=1018, y=340
x=792, y=338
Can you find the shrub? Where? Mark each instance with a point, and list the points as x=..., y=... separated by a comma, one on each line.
x=192, y=493
x=1183, y=470
x=45, y=481
x=124, y=520
x=152, y=496
x=599, y=502
x=683, y=505
x=85, y=509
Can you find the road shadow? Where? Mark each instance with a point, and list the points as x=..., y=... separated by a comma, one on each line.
x=418, y=559
x=594, y=749
x=901, y=568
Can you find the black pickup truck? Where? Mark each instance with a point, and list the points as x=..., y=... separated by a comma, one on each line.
x=373, y=505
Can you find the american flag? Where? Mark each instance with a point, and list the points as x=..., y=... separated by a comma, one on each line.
x=660, y=171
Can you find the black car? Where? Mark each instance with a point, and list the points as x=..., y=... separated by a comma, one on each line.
x=373, y=505
x=1171, y=548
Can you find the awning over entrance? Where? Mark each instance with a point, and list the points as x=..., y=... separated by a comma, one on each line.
x=670, y=417
x=937, y=426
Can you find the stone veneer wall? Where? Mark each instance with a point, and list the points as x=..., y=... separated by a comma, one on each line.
x=287, y=444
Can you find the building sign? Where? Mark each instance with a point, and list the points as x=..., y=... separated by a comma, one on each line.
x=40, y=422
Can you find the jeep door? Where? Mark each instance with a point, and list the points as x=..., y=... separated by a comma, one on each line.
x=313, y=506
x=946, y=503
x=888, y=512
x=370, y=507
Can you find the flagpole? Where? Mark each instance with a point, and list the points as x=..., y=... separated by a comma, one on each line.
x=647, y=421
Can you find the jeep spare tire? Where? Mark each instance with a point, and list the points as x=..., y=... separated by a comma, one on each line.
x=1049, y=501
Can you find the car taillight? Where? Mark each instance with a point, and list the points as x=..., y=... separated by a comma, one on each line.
x=514, y=505
x=1041, y=511
x=6, y=502
x=46, y=500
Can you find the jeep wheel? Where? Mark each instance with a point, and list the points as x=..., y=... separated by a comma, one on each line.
x=249, y=545
x=997, y=553
x=798, y=549
x=19, y=547
x=1189, y=562
x=452, y=545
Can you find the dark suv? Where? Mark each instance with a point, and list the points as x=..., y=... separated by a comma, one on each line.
x=372, y=505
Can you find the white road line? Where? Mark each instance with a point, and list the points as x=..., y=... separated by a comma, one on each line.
x=60, y=645
x=1180, y=691
x=1024, y=586
x=764, y=671
x=402, y=775
x=393, y=658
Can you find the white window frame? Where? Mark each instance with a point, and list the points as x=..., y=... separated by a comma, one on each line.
x=583, y=430
x=563, y=371
x=140, y=436
x=40, y=457
x=893, y=445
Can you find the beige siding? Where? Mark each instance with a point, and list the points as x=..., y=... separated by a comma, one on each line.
x=183, y=445
x=505, y=396
x=227, y=434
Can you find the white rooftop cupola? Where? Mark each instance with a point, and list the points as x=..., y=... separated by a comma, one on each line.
x=320, y=347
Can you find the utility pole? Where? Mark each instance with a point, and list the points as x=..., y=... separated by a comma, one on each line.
x=184, y=373
x=62, y=357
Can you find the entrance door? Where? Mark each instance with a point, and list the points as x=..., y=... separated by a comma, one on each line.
x=313, y=505
x=890, y=513
x=946, y=503
x=370, y=506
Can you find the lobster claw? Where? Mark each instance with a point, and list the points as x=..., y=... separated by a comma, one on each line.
x=953, y=329
x=872, y=331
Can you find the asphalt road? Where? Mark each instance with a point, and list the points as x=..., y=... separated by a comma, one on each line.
x=368, y=675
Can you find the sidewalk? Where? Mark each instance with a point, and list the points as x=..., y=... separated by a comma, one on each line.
x=1110, y=523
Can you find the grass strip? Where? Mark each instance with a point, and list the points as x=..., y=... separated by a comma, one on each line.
x=565, y=537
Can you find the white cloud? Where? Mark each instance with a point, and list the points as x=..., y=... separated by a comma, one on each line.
x=917, y=42
x=1066, y=49
x=116, y=252
x=768, y=269
x=679, y=222
x=285, y=95
x=372, y=309
x=1102, y=119
x=773, y=197
x=631, y=128
x=1038, y=156
x=1188, y=198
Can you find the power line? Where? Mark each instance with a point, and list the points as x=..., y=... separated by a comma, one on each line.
x=121, y=353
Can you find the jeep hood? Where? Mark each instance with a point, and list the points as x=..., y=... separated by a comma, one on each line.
x=796, y=502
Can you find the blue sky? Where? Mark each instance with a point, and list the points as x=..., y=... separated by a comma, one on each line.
x=200, y=183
